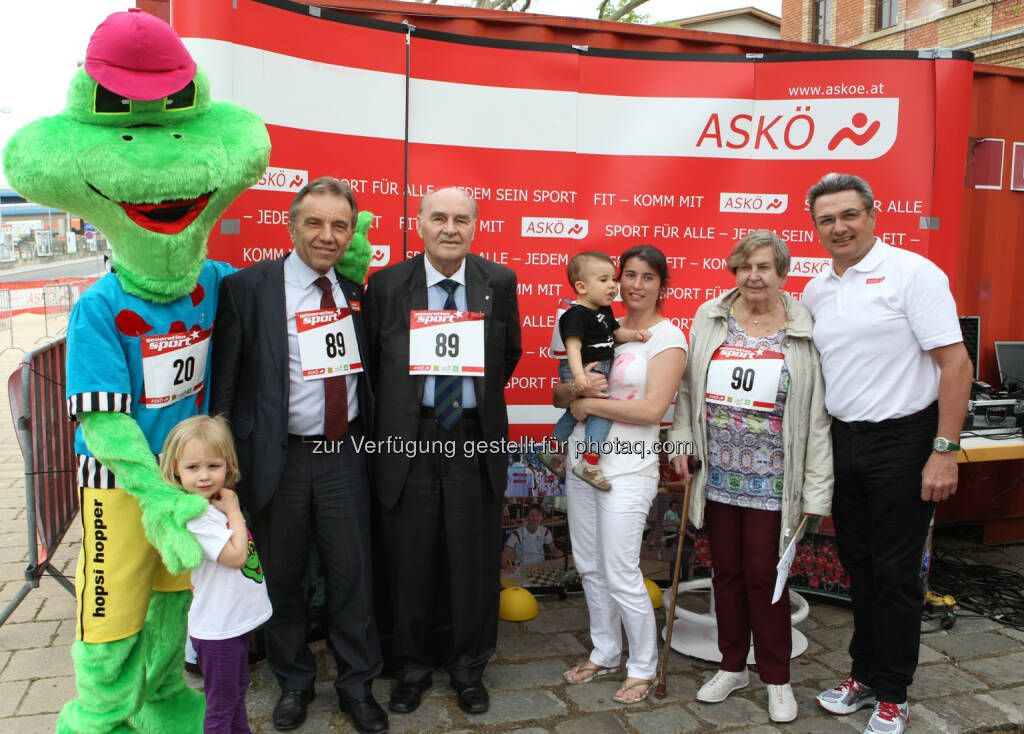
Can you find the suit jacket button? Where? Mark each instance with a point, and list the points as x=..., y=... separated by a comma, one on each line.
x=455, y=403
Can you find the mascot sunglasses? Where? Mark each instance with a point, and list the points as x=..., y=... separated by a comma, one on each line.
x=106, y=102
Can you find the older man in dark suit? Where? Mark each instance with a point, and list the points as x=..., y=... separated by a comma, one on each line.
x=281, y=327
x=441, y=495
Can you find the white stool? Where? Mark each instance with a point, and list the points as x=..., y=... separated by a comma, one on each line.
x=696, y=634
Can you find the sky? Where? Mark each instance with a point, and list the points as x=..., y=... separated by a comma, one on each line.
x=42, y=42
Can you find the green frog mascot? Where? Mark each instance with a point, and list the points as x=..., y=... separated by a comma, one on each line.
x=142, y=152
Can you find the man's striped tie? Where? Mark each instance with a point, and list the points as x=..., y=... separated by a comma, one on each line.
x=448, y=389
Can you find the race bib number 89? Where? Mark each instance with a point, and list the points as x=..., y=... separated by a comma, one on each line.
x=744, y=377
x=327, y=343
x=446, y=343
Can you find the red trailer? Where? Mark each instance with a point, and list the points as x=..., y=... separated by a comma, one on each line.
x=971, y=182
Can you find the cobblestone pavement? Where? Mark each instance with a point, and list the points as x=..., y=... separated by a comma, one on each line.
x=970, y=679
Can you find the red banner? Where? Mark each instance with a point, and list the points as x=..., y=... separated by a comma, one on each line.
x=568, y=148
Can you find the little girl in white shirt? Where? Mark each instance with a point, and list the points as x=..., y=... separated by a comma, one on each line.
x=229, y=595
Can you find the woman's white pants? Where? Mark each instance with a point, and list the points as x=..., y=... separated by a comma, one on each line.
x=607, y=530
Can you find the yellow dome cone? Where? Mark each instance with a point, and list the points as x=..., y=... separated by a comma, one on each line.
x=654, y=591
x=517, y=605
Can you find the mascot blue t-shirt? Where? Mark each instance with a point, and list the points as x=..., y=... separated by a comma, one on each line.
x=146, y=359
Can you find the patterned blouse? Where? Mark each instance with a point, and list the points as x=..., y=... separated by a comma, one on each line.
x=745, y=449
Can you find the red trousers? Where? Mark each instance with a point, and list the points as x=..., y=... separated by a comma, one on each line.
x=744, y=553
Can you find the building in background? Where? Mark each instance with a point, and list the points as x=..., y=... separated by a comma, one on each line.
x=993, y=30
x=738, y=22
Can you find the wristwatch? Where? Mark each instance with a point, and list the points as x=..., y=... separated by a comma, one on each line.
x=944, y=445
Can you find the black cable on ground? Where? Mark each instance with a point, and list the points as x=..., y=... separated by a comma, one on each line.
x=996, y=593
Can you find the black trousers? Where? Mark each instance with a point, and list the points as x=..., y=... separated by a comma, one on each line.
x=444, y=555
x=881, y=528
x=324, y=498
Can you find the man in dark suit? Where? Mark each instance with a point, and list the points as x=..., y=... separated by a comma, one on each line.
x=280, y=325
x=441, y=499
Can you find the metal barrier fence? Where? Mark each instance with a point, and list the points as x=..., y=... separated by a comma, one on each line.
x=47, y=438
x=57, y=302
x=7, y=319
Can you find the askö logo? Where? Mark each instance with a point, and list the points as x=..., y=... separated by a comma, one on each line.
x=557, y=227
x=748, y=203
x=808, y=267
x=282, y=179
x=850, y=128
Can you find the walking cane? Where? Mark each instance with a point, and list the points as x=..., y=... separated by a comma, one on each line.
x=670, y=612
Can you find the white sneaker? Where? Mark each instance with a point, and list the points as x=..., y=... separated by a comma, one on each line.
x=721, y=685
x=888, y=718
x=847, y=697
x=781, y=703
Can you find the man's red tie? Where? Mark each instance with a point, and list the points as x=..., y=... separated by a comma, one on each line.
x=335, y=388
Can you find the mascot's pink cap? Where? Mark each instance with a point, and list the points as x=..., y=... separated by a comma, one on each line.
x=139, y=56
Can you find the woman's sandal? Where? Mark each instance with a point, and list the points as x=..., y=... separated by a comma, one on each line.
x=587, y=666
x=644, y=685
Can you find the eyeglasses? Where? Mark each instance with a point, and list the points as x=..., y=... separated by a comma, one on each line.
x=850, y=215
x=106, y=102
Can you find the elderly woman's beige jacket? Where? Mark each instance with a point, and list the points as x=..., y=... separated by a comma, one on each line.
x=807, y=442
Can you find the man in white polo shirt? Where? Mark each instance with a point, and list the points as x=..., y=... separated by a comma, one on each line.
x=897, y=379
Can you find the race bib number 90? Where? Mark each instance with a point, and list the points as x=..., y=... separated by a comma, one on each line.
x=327, y=343
x=446, y=343
x=743, y=377
x=173, y=365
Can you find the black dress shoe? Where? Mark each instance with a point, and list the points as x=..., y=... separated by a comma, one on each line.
x=367, y=715
x=473, y=698
x=290, y=710
x=405, y=698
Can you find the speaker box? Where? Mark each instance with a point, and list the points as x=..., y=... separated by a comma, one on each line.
x=970, y=327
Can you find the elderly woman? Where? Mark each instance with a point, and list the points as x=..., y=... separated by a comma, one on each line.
x=607, y=528
x=752, y=403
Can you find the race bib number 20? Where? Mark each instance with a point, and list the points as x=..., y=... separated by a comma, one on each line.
x=173, y=365
x=446, y=343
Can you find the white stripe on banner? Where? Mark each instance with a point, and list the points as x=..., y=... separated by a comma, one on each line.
x=534, y=414
x=543, y=414
x=303, y=94
x=311, y=95
x=492, y=117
